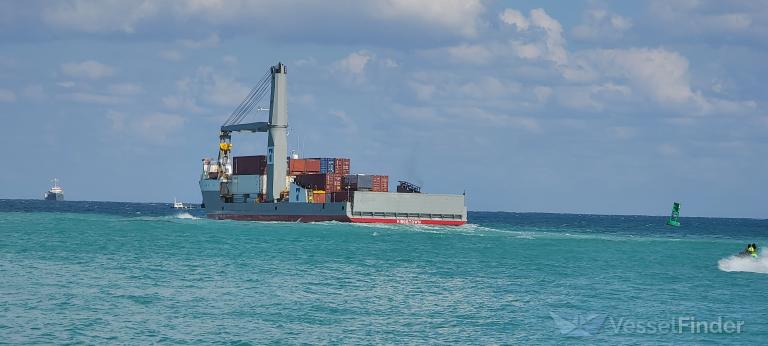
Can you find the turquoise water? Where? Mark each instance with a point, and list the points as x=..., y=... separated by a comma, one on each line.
x=137, y=273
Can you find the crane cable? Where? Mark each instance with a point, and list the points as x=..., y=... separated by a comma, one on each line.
x=254, y=97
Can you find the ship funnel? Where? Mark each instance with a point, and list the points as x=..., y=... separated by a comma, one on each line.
x=277, y=147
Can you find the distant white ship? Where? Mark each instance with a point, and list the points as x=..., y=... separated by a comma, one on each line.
x=56, y=193
x=180, y=205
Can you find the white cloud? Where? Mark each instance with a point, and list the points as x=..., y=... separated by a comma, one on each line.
x=206, y=87
x=112, y=94
x=66, y=84
x=655, y=74
x=488, y=87
x=554, y=35
x=304, y=99
x=390, y=63
x=491, y=118
x=525, y=50
x=659, y=73
x=98, y=16
x=171, y=55
x=601, y=24
x=208, y=42
x=347, y=123
x=514, y=17
x=712, y=17
x=229, y=60
x=354, y=65
x=125, y=89
x=551, y=48
x=592, y=79
x=459, y=16
x=542, y=93
x=7, y=95
x=154, y=128
x=416, y=113
x=669, y=150
x=87, y=69
x=184, y=103
x=158, y=127
x=470, y=53
x=226, y=91
x=423, y=91
x=34, y=92
x=311, y=61
x=117, y=119
x=88, y=97
x=593, y=97
x=623, y=132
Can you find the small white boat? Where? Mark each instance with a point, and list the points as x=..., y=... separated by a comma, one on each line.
x=179, y=205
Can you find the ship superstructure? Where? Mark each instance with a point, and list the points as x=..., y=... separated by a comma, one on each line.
x=55, y=193
x=275, y=187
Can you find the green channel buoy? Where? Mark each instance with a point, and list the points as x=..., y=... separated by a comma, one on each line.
x=674, y=219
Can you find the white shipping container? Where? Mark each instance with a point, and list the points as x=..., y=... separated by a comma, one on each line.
x=250, y=184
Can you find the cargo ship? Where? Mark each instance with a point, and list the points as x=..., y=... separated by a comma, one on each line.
x=56, y=193
x=279, y=187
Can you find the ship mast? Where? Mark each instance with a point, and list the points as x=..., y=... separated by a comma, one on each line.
x=277, y=147
x=277, y=143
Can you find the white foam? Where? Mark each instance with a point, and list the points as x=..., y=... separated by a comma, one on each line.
x=744, y=264
x=186, y=215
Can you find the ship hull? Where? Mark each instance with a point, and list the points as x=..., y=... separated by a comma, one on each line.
x=365, y=207
x=51, y=196
x=324, y=218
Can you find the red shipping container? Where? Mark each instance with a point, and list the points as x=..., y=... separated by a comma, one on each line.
x=342, y=166
x=312, y=166
x=380, y=183
x=296, y=165
x=319, y=197
x=302, y=166
x=250, y=165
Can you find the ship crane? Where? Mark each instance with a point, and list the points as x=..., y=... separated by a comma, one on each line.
x=272, y=81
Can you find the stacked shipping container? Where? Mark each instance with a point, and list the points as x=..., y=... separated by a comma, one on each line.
x=303, y=166
x=333, y=165
x=363, y=182
x=329, y=182
x=257, y=165
x=341, y=166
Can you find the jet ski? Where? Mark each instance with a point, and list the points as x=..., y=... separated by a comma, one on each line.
x=747, y=254
x=750, y=251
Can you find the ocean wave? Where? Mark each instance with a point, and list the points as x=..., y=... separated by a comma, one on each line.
x=744, y=264
x=185, y=215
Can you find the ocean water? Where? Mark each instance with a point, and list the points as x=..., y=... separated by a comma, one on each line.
x=104, y=273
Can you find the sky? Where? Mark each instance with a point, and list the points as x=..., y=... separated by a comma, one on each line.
x=527, y=106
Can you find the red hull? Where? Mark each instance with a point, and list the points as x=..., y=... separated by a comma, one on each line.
x=409, y=221
x=321, y=218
